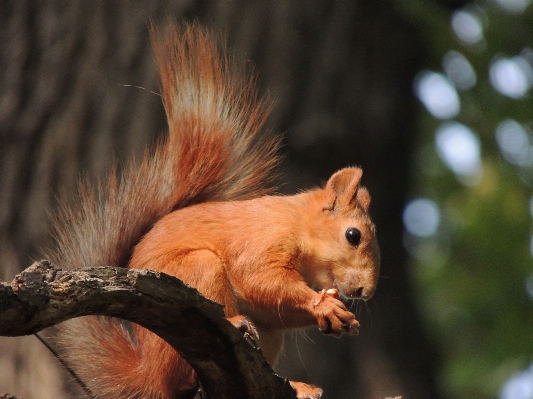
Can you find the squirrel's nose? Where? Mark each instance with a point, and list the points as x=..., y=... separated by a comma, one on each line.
x=356, y=293
x=361, y=293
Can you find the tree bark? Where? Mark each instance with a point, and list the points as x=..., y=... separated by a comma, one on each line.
x=229, y=366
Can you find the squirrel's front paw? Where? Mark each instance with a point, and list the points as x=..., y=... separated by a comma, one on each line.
x=306, y=391
x=332, y=316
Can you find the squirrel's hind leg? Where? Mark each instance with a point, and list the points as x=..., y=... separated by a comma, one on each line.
x=204, y=270
x=306, y=391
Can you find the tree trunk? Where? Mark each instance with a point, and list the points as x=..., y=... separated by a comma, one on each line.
x=340, y=73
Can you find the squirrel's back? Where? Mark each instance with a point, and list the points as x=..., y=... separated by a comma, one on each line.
x=215, y=151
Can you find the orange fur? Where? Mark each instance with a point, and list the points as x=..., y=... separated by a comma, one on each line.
x=196, y=208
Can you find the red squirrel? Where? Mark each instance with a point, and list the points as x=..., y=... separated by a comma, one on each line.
x=200, y=207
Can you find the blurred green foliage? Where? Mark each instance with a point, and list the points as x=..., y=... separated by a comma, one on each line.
x=473, y=274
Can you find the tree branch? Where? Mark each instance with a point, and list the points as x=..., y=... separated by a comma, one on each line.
x=227, y=365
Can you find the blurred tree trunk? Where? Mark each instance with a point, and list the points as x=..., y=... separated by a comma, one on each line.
x=340, y=73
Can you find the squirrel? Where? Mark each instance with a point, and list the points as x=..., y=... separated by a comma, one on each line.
x=201, y=207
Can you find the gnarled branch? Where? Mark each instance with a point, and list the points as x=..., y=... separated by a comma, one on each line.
x=227, y=365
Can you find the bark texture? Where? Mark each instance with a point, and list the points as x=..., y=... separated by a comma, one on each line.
x=228, y=365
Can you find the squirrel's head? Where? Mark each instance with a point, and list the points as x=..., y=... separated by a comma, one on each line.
x=341, y=249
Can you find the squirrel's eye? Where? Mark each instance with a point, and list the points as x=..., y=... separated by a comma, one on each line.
x=353, y=236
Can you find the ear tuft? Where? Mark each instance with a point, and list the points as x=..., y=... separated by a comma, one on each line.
x=363, y=197
x=343, y=186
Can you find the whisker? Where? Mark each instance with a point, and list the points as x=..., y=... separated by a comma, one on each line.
x=300, y=356
x=305, y=335
x=142, y=88
x=352, y=303
x=359, y=307
x=367, y=307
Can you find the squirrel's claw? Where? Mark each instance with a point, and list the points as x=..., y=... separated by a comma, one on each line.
x=244, y=325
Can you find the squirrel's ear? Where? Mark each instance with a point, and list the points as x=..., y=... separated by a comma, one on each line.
x=363, y=197
x=342, y=189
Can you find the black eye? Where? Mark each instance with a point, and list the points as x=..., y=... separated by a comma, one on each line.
x=353, y=236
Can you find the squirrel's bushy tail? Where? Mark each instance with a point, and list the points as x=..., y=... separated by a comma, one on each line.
x=213, y=153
